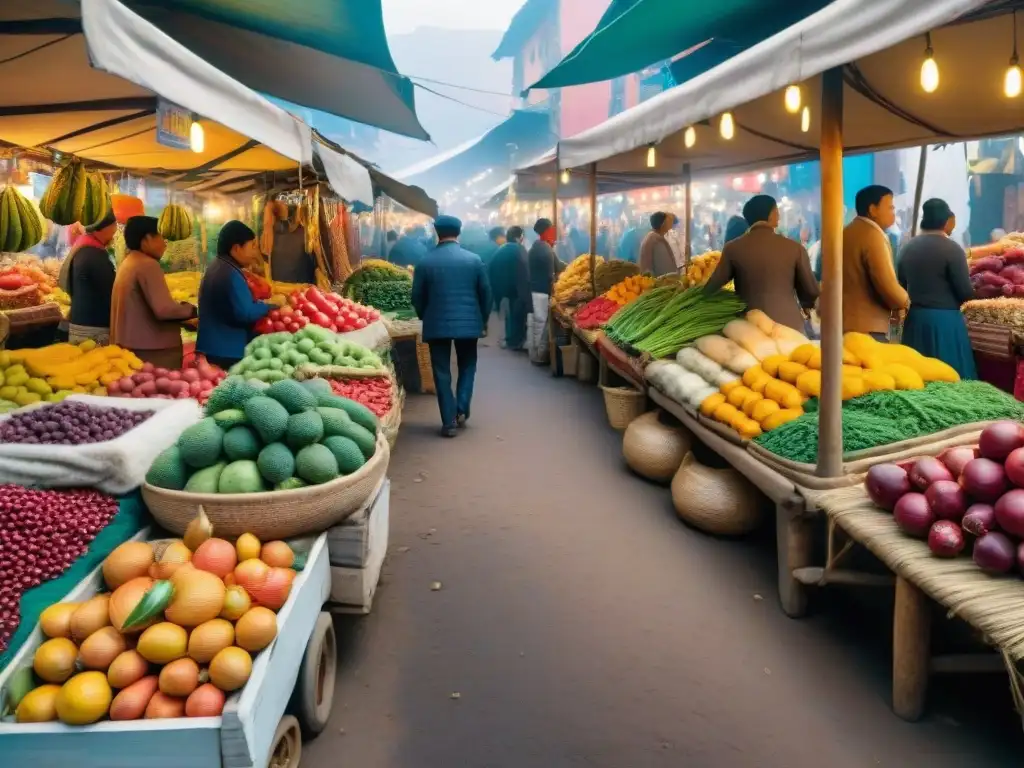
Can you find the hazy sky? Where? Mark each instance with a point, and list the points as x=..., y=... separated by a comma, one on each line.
x=401, y=16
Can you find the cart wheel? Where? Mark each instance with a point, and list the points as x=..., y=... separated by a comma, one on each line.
x=287, y=749
x=314, y=690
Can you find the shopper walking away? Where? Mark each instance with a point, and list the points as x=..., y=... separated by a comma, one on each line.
x=656, y=254
x=453, y=299
x=871, y=292
x=87, y=276
x=227, y=307
x=509, y=275
x=736, y=227
x=932, y=268
x=143, y=316
x=771, y=272
x=544, y=266
x=495, y=239
x=409, y=250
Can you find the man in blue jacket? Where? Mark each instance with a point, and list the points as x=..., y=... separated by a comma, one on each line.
x=452, y=297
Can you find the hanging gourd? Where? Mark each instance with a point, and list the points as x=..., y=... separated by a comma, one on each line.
x=175, y=223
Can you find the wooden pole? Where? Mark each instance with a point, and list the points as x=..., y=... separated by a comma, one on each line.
x=922, y=165
x=687, y=215
x=911, y=646
x=554, y=193
x=593, y=227
x=830, y=416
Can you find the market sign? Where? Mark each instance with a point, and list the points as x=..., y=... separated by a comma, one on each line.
x=173, y=125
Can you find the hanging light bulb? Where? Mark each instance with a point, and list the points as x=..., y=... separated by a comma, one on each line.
x=652, y=156
x=793, y=99
x=929, y=69
x=690, y=137
x=565, y=176
x=805, y=119
x=196, y=138
x=1012, y=81
x=727, y=126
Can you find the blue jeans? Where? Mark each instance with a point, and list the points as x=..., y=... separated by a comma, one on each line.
x=451, y=405
x=515, y=326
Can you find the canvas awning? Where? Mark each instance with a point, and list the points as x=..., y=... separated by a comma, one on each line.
x=330, y=55
x=880, y=48
x=634, y=34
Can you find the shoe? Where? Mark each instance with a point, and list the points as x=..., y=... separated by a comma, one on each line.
x=460, y=420
x=448, y=432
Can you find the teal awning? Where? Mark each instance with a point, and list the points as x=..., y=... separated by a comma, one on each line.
x=634, y=34
x=329, y=55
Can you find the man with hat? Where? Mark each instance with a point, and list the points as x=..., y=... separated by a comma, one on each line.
x=87, y=276
x=452, y=297
x=544, y=268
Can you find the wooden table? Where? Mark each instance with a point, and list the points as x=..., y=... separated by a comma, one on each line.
x=612, y=360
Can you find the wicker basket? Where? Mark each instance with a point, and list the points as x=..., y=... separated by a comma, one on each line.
x=623, y=404
x=274, y=514
x=5, y=329
x=570, y=359
x=392, y=420
x=426, y=369
x=655, y=448
x=717, y=501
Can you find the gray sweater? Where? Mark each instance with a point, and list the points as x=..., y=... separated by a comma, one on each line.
x=933, y=270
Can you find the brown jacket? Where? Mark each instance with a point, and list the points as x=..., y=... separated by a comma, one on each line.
x=871, y=291
x=142, y=313
x=772, y=273
x=656, y=255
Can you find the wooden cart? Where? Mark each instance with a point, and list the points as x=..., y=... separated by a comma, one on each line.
x=289, y=694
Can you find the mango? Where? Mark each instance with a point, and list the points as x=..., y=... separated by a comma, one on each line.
x=38, y=386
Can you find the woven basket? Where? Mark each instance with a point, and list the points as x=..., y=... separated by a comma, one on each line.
x=623, y=404
x=717, y=501
x=310, y=371
x=654, y=448
x=274, y=514
x=426, y=370
x=5, y=329
x=392, y=420
x=570, y=359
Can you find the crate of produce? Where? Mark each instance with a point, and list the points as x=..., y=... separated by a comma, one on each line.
x=357, y=554
x=248, y=726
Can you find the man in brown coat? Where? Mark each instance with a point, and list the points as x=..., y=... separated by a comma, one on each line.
x=143, y=316
x=871, y=292
x=771, y=272
x=656, y=254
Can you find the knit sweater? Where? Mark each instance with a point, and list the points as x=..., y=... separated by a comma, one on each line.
x=871, y=292
x=142, y=313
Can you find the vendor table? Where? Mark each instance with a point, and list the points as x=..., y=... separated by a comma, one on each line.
x=992, y=605
x=613, y=359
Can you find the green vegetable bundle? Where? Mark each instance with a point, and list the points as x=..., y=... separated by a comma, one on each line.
x=259, y=437
x=275, y=356
x=664, y=320
x=389, y=296
x=883, y=418
x=373, y=271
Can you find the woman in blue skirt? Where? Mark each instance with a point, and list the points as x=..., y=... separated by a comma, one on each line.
x=933, y=270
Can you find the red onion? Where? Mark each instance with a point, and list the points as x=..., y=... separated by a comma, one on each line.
x=69, y=423
x=886, y=484
x=1014, y=466
x=945, y=539
x=928, y=470
x=995, y=553
x=1010, y=512
x=999, y=440
x=956, y=458
x=979, y=519
x=947, y=500
x=984, y=480
x=914, y=515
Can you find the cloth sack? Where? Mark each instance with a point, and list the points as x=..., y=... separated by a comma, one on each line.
x=115, y=466
x=537, y=329
x=374, y=337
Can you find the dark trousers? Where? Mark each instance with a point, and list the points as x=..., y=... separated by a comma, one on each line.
x=222, y=362
x=515, y=326
x=451, y=405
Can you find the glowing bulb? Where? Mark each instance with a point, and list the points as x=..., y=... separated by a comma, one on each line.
x=929, y=73
x=690, y=137
x=727, y=126
x=565, y=176
x=1012, y=81
x=652, y=157
x=792, y=99
x=196, y=138
x=805, y=119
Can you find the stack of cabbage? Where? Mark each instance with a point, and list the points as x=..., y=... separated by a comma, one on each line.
x=278, y=437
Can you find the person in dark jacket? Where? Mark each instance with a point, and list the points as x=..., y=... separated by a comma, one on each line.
x=227, y=309
x=409, y=250
x=510, y=285
x=452, y=297
x=87, y=276
x=736, y=227
x=544, y=268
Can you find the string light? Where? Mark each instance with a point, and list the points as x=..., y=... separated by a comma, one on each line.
x=565, y=176
x=196, y=138
x=793, y=99
x=652, y=156
x=805, y=119
x=690, y=137
x=929, y=69
x=727, y=126
x=1012, y=81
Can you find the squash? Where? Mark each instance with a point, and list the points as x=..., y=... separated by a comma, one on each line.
x=854, y=386
x=904, y=376
x=770, y=365
x=752, y=374
x=932, y=369
x=726, y=353
x=708, y=406
x=784, y=394
x=802, y=354
x=764, y=409
x=730, y=386
x=749, y=429
x=789, y=372
x=851, y=359
x=761, y=321
x=748, y=336
x=809, y=383
x=787, y=339
x=725, y=413
x=814, y=363
x=750, y=401
x=736, y=397
x=879, y=381
x=780, y=417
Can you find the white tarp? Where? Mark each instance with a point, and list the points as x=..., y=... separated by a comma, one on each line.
x=347, y=177
x=843, y=32
x=124, y=44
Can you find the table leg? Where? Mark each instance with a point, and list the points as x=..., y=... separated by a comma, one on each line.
x=794, y=542
x=911, y=643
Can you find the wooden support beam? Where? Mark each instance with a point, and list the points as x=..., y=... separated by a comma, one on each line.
x=911, y=643
x=687, y=215
x=794, y=544
x=593, y=227
x=816, y=576
x=922, y=166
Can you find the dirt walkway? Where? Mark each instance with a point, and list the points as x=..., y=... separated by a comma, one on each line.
x=579, y=623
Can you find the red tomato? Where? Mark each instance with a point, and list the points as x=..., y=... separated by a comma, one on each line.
x=360, y=323
x=321, y=319
x=302, y=320
x=278, y=326
x=275, y=314
x=264, y=325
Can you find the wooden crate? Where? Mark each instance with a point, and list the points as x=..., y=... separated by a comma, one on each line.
x=353, y=588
